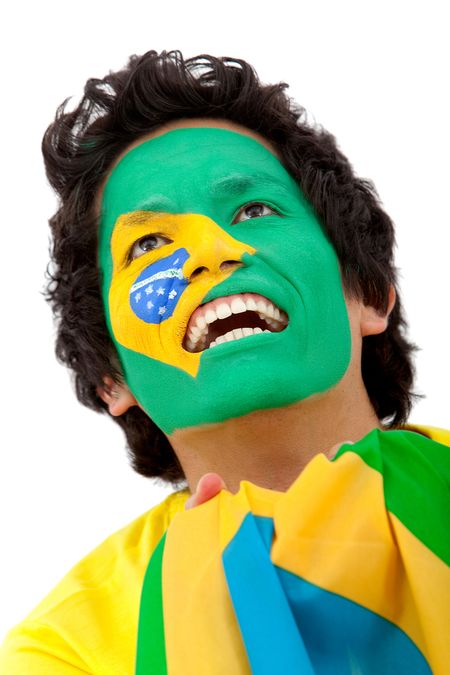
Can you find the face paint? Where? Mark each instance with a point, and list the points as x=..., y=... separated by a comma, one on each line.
x=156, y=291
x=183, y=192
x=149, y=301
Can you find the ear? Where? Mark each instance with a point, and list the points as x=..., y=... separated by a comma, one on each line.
x=117, y=396
x=372, y=322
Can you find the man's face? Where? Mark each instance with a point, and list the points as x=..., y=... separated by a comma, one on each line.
x=222, y=293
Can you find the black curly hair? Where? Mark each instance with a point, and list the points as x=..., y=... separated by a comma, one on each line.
x=79, y=148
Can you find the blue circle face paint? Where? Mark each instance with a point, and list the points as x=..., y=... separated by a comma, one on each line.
x=155, y=293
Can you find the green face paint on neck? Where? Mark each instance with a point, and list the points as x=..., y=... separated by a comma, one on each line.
x=185, y=191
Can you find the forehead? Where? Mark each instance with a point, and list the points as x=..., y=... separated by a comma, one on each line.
x=184, y=169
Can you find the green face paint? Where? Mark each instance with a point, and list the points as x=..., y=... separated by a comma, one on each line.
x=187, y=187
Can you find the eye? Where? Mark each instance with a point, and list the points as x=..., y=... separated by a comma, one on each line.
x=253, y=210
x=145, y=244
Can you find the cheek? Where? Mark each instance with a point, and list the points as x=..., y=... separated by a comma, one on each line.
x=142, y=306
x=154, y=295
x=147, y=309
x=309, y=263
x=294, y=246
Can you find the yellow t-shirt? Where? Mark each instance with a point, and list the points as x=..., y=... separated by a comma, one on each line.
x=89, y=622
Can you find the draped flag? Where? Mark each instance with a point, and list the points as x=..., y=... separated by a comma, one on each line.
x=346, y=572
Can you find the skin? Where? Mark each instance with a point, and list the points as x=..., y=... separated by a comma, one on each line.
x=210, y=484
x=270, y=447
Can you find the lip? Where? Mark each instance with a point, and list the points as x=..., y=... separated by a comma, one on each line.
x=234, y=289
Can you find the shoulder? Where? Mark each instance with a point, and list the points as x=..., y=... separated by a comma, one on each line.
x=411, y=466
x=125, y=552
x=95, y=605
x=436, y=434
x=415, y=453
x=421, y=451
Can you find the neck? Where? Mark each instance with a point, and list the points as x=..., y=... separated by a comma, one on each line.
x=270, y=448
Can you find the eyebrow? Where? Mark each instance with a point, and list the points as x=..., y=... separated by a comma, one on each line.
x=140, y=217
x=153, y=207
x=233, y=186
x=158, y=202
x=238, y=183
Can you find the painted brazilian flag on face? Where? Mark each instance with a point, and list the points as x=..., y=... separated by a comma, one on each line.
x=347, y=572
x=197, y=215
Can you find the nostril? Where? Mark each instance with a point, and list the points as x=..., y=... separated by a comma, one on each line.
x=197, y=271
x=230, y=263
x=225, y=265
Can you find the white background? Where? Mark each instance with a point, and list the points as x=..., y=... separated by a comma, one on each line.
x=374, y=74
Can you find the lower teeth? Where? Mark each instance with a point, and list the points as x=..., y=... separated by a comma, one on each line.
x=237, y=334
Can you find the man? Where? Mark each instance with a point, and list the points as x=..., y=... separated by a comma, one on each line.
x=225, y=289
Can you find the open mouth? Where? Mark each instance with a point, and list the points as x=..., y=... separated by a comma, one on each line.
x=232, y=317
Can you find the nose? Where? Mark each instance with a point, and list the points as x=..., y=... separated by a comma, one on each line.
x=212, y=250
x=226, y=266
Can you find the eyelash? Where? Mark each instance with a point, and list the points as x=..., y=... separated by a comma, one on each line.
x=246, y=206
x=131, y=257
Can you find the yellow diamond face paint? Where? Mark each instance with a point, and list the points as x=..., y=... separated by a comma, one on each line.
x=193, y=217
x=150, y=298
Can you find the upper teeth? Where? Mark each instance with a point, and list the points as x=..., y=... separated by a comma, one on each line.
x=221, y=309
